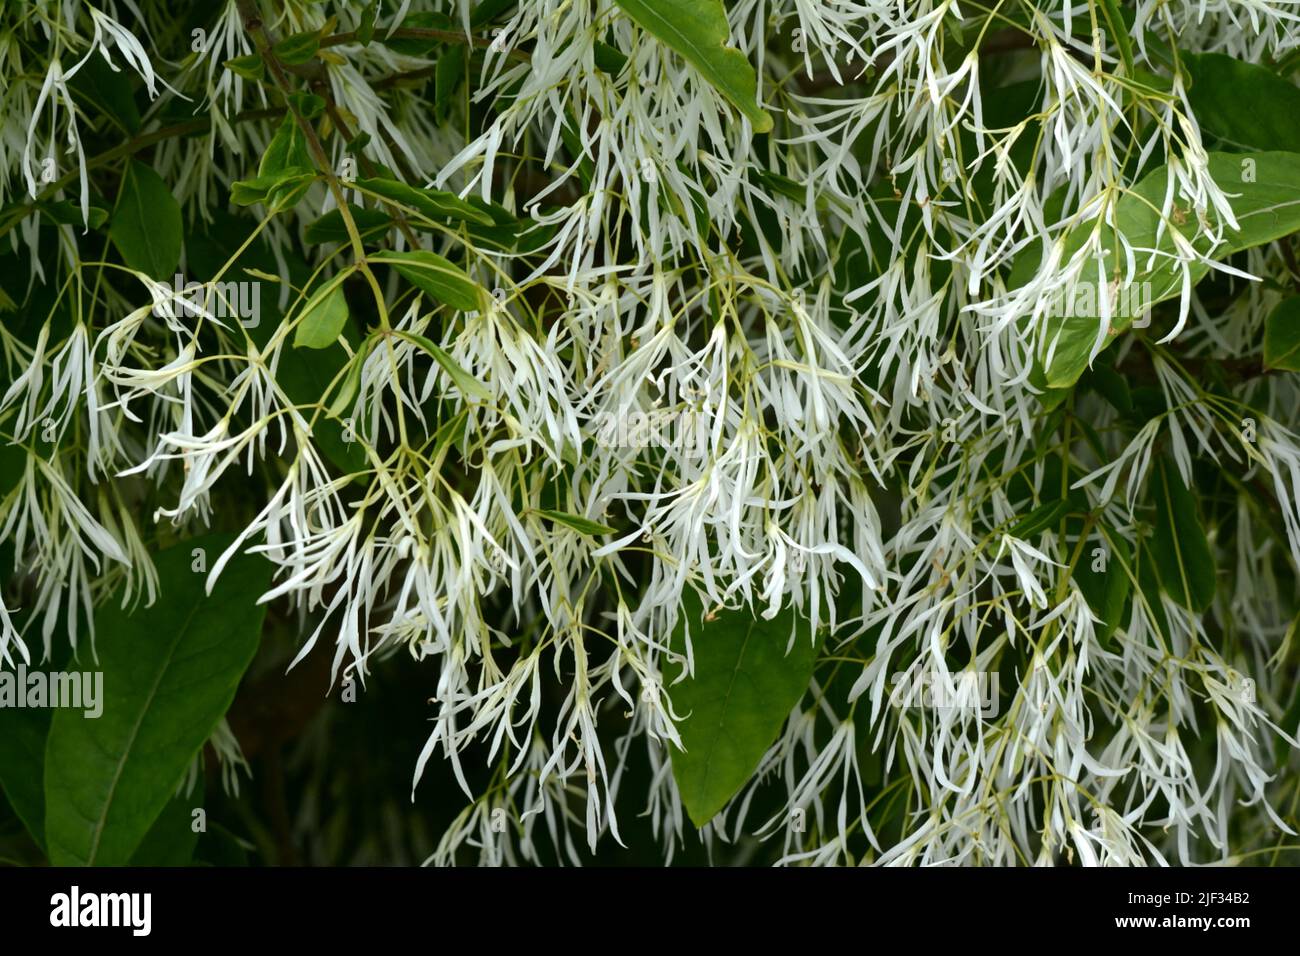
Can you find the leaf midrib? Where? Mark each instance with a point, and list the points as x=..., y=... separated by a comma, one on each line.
x=135, y=732
x=146, y=235
x=722, y=719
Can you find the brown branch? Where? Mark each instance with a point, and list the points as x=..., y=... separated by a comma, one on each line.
x=129, y=148
x=252, y=17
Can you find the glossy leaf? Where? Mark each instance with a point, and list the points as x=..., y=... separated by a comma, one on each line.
x=1104, y=573
x=1183, y=560
x=435, y=276
x=69, y=214
x=1282, y=336
x=433, y=203
x=169, y=672
x=276, y=190
x=22, y=764
x=1271, y=120
x=420, y=46
x=449, y=74
x=576, y=522
x=323, y=318
x=249, y=67
x=305, y=375
x=283, y=173
x=297, y=49
x=172, y=838
x=1045, y=516
x=698, y=31
x=1264, y=192
x=108, y=89
x=467, y=383
x=287, y=150
x=146, y=225
x=331, y=228
x=744, y=687
x=351, y=381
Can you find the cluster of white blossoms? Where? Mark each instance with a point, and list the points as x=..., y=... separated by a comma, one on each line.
x=849, y=316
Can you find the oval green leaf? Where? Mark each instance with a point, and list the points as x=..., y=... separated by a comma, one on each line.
x=146, y=225
x=1282, y=336
x=744, y=687
x=1264, y=193
x=435, y=276
x=1182, y=555
x=467, y=383
x=323, y=319
x=1218, y=84
x=169, y=674
x=433, y=203
x=576, y=522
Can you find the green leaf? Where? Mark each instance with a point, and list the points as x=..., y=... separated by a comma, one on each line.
x=1282, y=336
x=576, y=522
x=286, y=151
x=609, y=59
x=421, y=46
x=1181, y=550
x=307, y=105
x=297, y=49
x=330, y=227
x=1264, y=192
x=284, y=173
x=744, y=687
x=146, y=224
x=1103, y=573
x=698, y=30
x=489, y=10
x=366, y=25
x=1118, y=31
x=433, y=203
x=323, y=318
x=66, y=213
x=305, y=375
x=1220, y=83
x=435, y=276
x=23, y=733
x=13, y=463
x=219, y=847
x=276, y=190
x=172, y=838
x=109, y=90
x=508, y=233
x=351, y=382
x=448, y=76
x=250, y=67
x=170, y=672
x=784, y=186
x=22, y=763
x=467, y=383
x=1149, y=587
x=1046, y=515
x=1113, y=387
